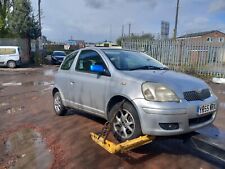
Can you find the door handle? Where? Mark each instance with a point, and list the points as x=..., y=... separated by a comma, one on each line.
x=72, y=83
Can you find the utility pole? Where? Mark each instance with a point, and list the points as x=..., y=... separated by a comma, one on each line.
x=39, y=15
x=110, y=33
x=129, y=29
x=122, y=36
x=122, y=31
x=40, y=45
x=176, y=20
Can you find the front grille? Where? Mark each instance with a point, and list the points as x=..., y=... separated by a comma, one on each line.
x=194, y=95
x=200, y=120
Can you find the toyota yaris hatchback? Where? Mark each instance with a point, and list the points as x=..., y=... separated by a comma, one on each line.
x=156, y=101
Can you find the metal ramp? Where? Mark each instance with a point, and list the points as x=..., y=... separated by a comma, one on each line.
x=211, y=141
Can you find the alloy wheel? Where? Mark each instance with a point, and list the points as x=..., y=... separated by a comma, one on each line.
x=57, y=103
x=124, y=124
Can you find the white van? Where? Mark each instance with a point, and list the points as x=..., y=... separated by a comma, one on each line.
x=10, y=56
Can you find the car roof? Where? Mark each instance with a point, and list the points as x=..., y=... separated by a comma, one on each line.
x=58, y=51
x=102, y=48
x=106, y=48
x=9, y=46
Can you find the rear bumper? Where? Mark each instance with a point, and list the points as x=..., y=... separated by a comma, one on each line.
x=164, y=119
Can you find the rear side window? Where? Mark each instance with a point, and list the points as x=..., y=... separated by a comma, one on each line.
x=69, y=61
x=88, y=58
x=7, y=51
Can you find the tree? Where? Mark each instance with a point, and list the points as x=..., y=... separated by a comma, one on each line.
x=22, y=21
x=34, y=29
x=39, y=14
x=5, y=6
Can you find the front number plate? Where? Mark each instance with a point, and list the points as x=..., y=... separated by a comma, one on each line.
x=206, y=108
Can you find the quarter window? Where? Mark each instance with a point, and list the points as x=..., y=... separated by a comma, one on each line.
x=67, y=63
x=88, y=58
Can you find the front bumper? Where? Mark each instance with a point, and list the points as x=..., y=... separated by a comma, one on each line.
x=153, y=115
x=56, y=60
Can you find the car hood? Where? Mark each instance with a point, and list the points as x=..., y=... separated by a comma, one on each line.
x=178, y=82
x=59, y=57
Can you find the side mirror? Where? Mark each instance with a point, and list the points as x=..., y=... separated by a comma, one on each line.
x=97, y=69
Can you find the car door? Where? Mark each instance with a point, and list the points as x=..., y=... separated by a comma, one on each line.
x=63, y=79
x=90, y=89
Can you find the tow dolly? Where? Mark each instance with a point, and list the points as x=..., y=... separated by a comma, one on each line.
x=209, y=140
x=203, y=141
x=101, y=138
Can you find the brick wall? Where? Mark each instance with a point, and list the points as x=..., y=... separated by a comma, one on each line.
x=213, y=35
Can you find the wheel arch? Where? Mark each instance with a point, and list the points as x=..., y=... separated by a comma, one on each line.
x=54, y=90
x=57, y=89
x=118, y=98
x=10, y=60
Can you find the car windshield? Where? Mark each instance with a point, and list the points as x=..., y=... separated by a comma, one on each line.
x=59, y=54
x=131, y=60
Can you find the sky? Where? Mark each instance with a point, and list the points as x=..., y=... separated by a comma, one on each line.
x=99, y=20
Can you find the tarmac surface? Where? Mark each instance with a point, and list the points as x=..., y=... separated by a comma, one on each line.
x=32, y=136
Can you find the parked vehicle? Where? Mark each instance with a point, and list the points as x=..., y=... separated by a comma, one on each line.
x=143, y=95
x=57, y=57
x=10, y=56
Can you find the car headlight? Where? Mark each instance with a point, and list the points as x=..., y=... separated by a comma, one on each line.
x=158, y=92
x=211, y=91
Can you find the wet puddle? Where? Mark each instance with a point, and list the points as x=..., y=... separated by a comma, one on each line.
x=3, y=104
x=31, y=83
x=30, y=150
x=49, y=72
x=14, y=110
x=12, y=84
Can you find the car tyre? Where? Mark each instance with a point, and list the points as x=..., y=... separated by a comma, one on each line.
x=126, y=123
x=58, y=106
x=11, y=64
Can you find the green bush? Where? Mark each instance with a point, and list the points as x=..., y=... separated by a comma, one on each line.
x=37, y=59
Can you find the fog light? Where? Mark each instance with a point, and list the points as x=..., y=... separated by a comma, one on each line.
x=169, y=126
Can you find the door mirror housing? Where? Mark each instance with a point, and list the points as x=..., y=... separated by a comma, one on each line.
x=97, y=69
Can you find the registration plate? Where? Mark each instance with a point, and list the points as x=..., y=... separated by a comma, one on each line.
x=206, y=108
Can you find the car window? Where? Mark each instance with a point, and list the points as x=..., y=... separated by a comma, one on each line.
x=7, y=51
x=88, y=58
x=129, y=60
x=59, y=54
x=67, y=63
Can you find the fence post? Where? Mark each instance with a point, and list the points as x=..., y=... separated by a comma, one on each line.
x=180, y=54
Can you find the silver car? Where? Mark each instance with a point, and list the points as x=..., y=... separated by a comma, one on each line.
x=138, y=93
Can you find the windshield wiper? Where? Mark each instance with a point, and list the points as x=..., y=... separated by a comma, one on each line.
x=149, y=68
